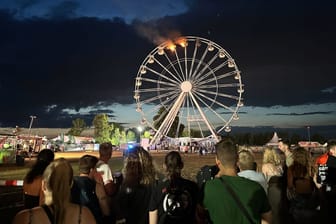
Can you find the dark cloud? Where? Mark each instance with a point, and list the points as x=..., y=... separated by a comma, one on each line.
x=301, y=114
x=66, y=9
x=23, y=4
x=283, y=48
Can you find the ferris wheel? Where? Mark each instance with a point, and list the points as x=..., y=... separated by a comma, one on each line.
x=190, y=82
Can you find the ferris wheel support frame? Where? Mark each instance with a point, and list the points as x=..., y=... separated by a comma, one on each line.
x=169, y=119
x=204, y=117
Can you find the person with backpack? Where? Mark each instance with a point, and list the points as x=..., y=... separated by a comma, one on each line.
x=229, y=198
x=139, y=179
x=88, y=189
x=174, y=199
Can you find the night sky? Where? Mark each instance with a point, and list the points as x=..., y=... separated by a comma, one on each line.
x=61, y=60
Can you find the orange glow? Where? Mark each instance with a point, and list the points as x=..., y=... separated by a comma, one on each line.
x=182, y=42
x=171, y=46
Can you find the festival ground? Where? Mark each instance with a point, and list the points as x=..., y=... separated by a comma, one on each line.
x=11, y=197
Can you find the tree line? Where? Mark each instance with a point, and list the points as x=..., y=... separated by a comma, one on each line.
x=106, y=131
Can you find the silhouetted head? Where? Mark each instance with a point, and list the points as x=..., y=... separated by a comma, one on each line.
x=46, y=155
x=105, y=151
x=174, y=164
x=227, y=153
x=87, y=163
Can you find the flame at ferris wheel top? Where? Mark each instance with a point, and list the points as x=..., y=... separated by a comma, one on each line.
x=171, y=45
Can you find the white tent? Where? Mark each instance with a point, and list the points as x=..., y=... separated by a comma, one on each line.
x=274, y=141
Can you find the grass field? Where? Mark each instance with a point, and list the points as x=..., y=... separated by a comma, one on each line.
x=192, y=164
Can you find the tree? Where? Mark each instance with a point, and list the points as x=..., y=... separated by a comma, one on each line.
x=130, y=136
x=102, y=128
x=78, y=126
x=146, y=134
x=123, y=138
x=115, y=137
x=159, y=118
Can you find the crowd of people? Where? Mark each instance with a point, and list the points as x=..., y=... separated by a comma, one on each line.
x=289, y=186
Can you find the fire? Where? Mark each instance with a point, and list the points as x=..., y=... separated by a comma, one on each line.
x=182, y=42
x=171, y=46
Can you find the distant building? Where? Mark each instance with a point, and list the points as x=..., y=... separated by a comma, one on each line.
x=274, y=141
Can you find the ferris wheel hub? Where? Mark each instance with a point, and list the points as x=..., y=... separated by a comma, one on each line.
x=186, y=86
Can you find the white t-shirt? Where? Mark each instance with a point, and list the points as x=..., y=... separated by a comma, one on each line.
x=255, y=176
x=105, y=171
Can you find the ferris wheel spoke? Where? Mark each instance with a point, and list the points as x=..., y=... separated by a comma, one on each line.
x=149, y=100
x=208, y=65
x=214, y=101
x=199, y=64
x=219, y=86
x=216, y=78
x=163, y=76
x=179, y=78
x=197, y=120
x=194, y=57
x=180, y=114
x=185, y=63
x=214, y=70
x=204, y=117
x=219, y=94
x=212, y=110
x=156, y=89
x=180, y=66
x=165, y=102
x=161, y=89
x=157, y=81
x=156, y=108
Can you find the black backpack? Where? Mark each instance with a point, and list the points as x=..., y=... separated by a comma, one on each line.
x=206, y=173
x=83, y=192
x=177, y=205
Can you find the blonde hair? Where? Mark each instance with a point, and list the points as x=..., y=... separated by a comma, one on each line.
x=271, y=156
x=58, y=178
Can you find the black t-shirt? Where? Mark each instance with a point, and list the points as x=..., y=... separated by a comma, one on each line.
x=159, y=198
x=331, y=173
x=133, y=202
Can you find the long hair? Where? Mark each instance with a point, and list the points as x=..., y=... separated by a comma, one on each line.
x=44, y=158
x=58, y=177
x=271, y=156
x=147, y=166
x=174, y=165
x=132, y=171
x=302, y=166
x=138, y=168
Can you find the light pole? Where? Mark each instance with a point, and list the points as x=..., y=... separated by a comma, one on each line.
x=31, y=123
x=308, y=131
x=140, y=130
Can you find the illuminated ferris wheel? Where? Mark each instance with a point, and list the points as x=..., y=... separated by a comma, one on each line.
x=190, y=81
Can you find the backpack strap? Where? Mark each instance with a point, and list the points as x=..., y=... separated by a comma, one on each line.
x=30, y=216
x=237, y=200
x=80, y=214
x=48, y=212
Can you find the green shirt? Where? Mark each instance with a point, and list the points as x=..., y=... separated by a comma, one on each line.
x=223, y=208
